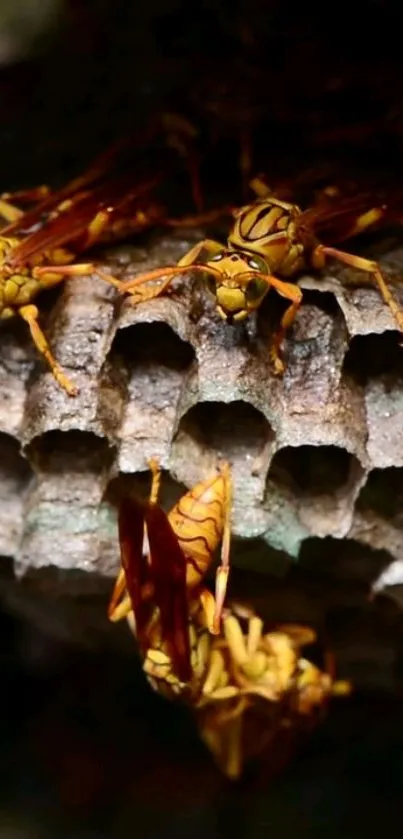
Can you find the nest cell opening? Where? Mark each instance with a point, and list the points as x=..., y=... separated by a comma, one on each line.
x=371, y=356
x=311, y=470
x=14, y=467
x=383, y=493
x=138, y=485
x=234, y=431
x=154, y=343
x=66, y=451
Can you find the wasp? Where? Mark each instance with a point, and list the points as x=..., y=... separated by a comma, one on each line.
x=111, y=200
x=260, y=691
x=164, y=581
x=270, y=243
x=196, y=648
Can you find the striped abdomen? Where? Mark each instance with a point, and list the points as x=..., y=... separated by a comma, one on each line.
x=198, y=521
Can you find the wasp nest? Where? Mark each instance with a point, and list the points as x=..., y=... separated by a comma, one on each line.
x=317, y=456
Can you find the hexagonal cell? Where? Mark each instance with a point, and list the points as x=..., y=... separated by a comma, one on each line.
x=378, y=518
x=15, y=478
x=311, y=489
x=383, y=494
x=236, y=432
x=311, y=470
x=376, y=362
x=153, y=363
x=152, y=343
x=371, y=356
x=61, y=452
x=346, y=559
x=65, y=524
x=17, y=359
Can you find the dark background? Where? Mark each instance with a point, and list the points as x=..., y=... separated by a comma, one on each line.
x=88, y=751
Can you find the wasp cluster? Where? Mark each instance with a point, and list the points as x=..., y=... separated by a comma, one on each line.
x=317, y=456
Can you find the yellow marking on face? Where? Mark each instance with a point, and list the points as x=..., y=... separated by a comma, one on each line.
x=230, y=299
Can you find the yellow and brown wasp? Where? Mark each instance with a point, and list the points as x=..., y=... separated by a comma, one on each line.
x=111, y=200
x=216, y=658
x=271, y=242
x=161, y=582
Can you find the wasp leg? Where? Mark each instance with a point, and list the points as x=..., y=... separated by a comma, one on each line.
x=9, y=212
x=78, y=270
x=254, y=636
x=169, y=272
x=155, y=480
x=216, y=668
x=233, y=766
x=116, y=610
x=290, y=292
x=208, y=604
x=222, y=572
x=96, y=228
x=235, y=640
x=209, y=246
x=30, y=314
x=369, y=266
x=37, y=193
x=260, y=187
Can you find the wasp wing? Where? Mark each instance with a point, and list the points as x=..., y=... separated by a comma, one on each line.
x=134, y=562
x=113, y=183
x=68, y=226
x=337, y=219
x=168, y=574
x=117, y=157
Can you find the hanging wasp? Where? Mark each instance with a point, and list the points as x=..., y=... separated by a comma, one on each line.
x=194, y=648
x=270, y=244
x=111, y=200
x=165, y=581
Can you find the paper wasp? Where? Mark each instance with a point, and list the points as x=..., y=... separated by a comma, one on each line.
x=108, y=202
x=270, y=243
x=215, y=657
x=165, y=582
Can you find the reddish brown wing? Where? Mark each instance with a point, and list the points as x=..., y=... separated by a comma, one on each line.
x=131, y=537
x=335, y=220
x=118, y=192
x=168, y=574
x=115, y=182
x=67, y=228
x=107, y=165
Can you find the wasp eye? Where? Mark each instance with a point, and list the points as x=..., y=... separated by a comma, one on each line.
x=256, y=289
x=256, y=264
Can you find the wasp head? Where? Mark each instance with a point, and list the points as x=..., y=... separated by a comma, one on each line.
x=232, y=282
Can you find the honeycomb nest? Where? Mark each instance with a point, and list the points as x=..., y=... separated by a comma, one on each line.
x=317, y=456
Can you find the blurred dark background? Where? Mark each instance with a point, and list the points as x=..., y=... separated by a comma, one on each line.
x=294, y=80
x=87, y=750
